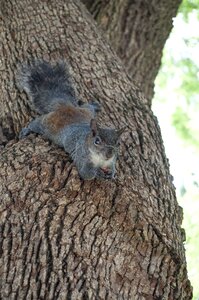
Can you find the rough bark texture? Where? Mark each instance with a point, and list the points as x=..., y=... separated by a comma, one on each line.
x=137, y=30
x=62, y=238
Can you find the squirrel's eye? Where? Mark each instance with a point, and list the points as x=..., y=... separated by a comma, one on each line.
x=97, y=141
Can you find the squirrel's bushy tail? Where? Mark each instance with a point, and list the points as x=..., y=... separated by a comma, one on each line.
x=47, y=85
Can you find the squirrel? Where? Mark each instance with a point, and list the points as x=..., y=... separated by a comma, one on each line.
x=67, y=122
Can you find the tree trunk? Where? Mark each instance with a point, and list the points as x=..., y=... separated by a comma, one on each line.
x=62, y=238
x=137, y=30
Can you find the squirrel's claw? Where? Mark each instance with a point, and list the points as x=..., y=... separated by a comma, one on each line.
x=24, y=132
x=96, y=105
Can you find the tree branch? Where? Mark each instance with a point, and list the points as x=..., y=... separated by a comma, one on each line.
x=64, y=238
x=137, y=31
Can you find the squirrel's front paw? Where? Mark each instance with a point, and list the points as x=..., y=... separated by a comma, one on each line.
x=24, y=132
x=96, y=105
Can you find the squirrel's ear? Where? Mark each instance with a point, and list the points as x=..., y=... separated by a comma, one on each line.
x=93, y=126
x=121, y=130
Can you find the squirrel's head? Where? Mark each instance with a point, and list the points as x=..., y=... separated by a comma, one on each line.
x=103, y=145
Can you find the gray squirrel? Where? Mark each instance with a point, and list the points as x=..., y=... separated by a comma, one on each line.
x=68, y=122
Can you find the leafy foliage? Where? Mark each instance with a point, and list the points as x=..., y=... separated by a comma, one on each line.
x=187, y=7
x=190, y=78
x=181, y=121
x=177, y=95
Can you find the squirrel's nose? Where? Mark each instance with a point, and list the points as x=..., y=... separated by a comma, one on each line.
x=108, y=172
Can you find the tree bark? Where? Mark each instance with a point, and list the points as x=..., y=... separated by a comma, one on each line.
x=62, y=238
x=137, y=30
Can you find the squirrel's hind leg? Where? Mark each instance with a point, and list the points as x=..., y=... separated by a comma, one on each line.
x=35, y=126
